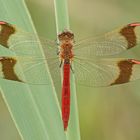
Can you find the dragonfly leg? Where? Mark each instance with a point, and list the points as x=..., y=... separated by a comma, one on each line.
x=60, y=65
x=57, y=43
x=71, y=68
x=57, y=51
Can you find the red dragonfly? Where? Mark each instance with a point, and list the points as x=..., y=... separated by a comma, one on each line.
x=89, y=58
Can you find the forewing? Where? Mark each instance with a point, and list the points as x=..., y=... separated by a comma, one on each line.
x=105, y=72
x=24, y=43
x=112, y=43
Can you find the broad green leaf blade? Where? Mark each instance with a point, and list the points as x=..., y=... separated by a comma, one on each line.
x=62, y=22
x=34, y=109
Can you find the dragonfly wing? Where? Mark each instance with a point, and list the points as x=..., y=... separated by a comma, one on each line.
x=106, y=72
x=24, y=69
x=25, y=44
x=111, y=43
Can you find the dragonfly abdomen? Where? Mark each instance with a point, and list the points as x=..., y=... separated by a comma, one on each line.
x=66, y=95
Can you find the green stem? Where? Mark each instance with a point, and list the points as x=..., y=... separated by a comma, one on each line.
x=62, y=22
x=61, y=15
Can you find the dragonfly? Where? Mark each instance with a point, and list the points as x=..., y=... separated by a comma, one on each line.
x=89, y=60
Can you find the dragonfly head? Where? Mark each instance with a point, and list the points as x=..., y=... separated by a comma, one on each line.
x=66, y=37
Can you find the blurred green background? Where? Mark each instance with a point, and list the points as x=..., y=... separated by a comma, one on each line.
x=111, y=113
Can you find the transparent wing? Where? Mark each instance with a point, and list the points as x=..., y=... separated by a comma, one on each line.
x=105, y=72
x=25, y=69
x=28, y=44
x=87, y=71
x=111, y=43
x=25, y=44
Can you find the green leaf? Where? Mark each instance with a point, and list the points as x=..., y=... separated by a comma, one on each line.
x=34, y=108
x=62, y=22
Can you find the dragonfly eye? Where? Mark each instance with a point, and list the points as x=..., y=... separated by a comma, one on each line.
x=66, y=35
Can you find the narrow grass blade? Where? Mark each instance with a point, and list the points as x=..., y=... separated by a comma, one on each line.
x=62, y=22
x=34, y=109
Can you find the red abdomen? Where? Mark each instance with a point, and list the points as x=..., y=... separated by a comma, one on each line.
x=66, y=95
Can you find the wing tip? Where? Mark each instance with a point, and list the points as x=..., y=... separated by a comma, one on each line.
x=3, y=22
x=134, y=24
x=134, y=61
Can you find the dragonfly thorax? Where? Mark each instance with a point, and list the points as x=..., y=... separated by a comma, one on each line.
x=66, y=51
x=66, y=39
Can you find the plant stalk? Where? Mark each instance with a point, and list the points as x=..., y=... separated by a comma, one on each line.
x=62, y=23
